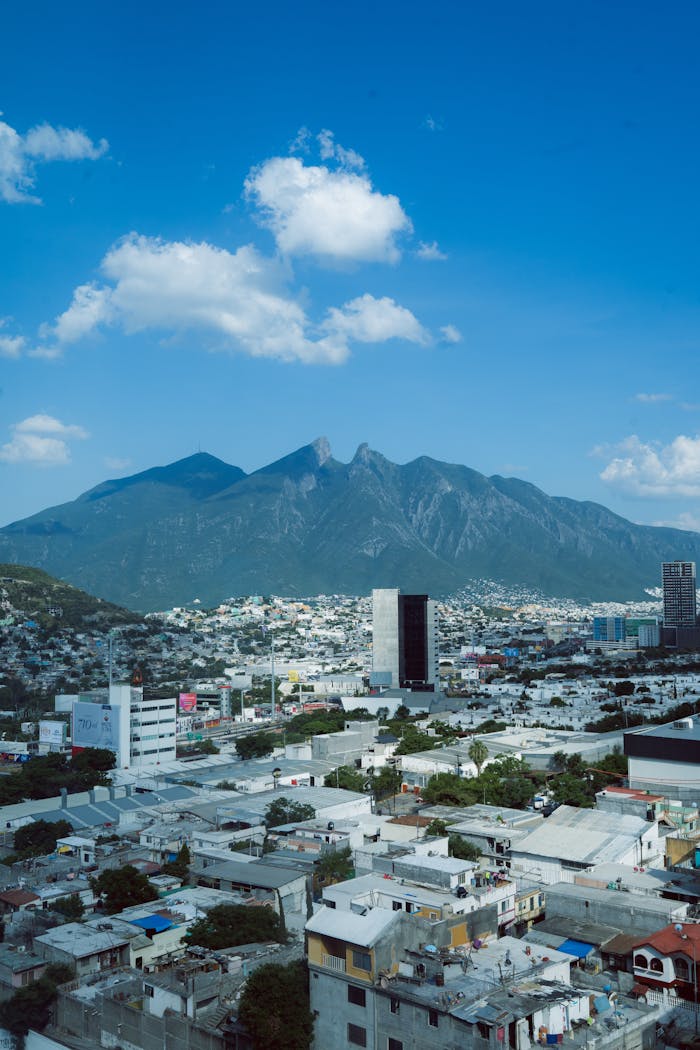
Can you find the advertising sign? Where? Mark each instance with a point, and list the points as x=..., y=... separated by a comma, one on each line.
x=188, y=702
x=293, y=676
x=241, y=681
x=95, y=725
x=52, y=733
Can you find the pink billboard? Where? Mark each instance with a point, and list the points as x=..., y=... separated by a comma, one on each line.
x=188, y=702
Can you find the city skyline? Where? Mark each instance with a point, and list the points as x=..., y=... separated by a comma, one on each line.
x=469, y=236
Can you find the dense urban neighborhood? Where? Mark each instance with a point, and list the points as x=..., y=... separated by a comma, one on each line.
x=386, y=821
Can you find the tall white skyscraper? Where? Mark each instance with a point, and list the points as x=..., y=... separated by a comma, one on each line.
x=404, y=640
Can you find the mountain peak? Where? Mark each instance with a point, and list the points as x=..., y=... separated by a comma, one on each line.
x=322, y=448
x=201, y=474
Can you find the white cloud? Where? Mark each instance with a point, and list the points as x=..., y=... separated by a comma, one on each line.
x=300, y=142
x=240, y=299
x=117, y=463
x=43, y=424
x=430, y=252
x=11, y=345
x=333, y=215
x=654, y=470
x=370, y=320
x=432, y=124
x=42, y=441
x=686, y=521
x=332, y=150
x=652, y=399
x=450, y=334
x=19, y=155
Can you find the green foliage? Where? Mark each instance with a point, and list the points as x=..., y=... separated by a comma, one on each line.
x=625, y=688
x=30, y=1007
x=275, y=1009
x=386, y=782
x=44, y=775
x=478, y=753
x=570, y=790
x=502, y=783
x=462, y=849
x=122, y=888
x=491, y=726
x=413, y=739
x=556, y=701
x=255, y=745
x=180, y=867
x=71, y=907
x=227, y=925
x=335, y=865
x=286, y=811
x=436, y=827
x=41, y=596
x=347, y=778
x=39, y=839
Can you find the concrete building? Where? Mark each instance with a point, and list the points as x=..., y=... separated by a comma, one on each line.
x=665, y=759
x=667, y=960
x=388, y=981
x=139, y=730
x=679, y=587
x=404, y=640
x=572, y=840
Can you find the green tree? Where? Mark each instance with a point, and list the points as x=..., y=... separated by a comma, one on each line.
x=347, y=778
x=255, y=745
x=570, y=790
x=478, y=753
x=462, y=849
x=286, y=811
x=227, y=925
x=71, y=907
x=39, y=839
x=275, y=1007
x=625, y=688
x=413, y=739
x=436, y=827
x=387, y=781
x=335, y=865
x=122, y=887
x=30, y=1007
x=180, y=867
x=93, y=764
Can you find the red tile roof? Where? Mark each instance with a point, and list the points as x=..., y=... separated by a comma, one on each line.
x=18, y=897
x=670, y=941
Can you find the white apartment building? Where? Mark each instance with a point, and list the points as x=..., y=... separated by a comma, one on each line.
x=139, y=730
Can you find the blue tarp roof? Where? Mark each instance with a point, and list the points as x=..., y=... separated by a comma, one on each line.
x=578, y=948
x=152, y=922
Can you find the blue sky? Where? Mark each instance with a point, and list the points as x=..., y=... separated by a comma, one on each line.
x=466, y=231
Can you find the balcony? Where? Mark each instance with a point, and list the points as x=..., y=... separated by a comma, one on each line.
x=333, y=962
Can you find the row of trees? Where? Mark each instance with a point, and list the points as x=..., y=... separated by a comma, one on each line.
x=45, y=775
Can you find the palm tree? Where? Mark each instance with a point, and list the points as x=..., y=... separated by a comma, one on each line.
x=478, y=753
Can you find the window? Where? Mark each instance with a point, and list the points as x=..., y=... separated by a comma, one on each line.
x=433, y=1018
x=395, y=1005
x=396, y=905
x=682, y=969
x=640, y=961
x=356, y=996
x=356, y=1035
x=361, y=961
x=394, y=1044
x=148, y=990
x=657, y=966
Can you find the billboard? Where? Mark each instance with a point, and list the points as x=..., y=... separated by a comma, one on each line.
x=187, y=702
x=95, y=725
x=52, y=733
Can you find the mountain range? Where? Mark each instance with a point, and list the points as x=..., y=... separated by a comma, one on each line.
x=309, y=524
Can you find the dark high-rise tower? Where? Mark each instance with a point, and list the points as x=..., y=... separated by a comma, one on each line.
x=404, y=640
x=679, y=593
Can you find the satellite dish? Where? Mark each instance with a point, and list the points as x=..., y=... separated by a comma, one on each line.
x=678, y=928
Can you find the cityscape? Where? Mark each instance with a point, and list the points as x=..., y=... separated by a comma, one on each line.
x=349, y=526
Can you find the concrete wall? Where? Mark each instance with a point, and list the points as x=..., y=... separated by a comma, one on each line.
x=624, y=911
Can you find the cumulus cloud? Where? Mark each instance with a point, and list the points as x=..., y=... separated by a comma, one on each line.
x=653, y=470
x=370, y=320
x=240, y=299
x=430, y=252
x=19, y=155
x=11, y=345
x=333, y=215
x=651, y=399
x=41, y=440
x=117, y=462
x=450, y=334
